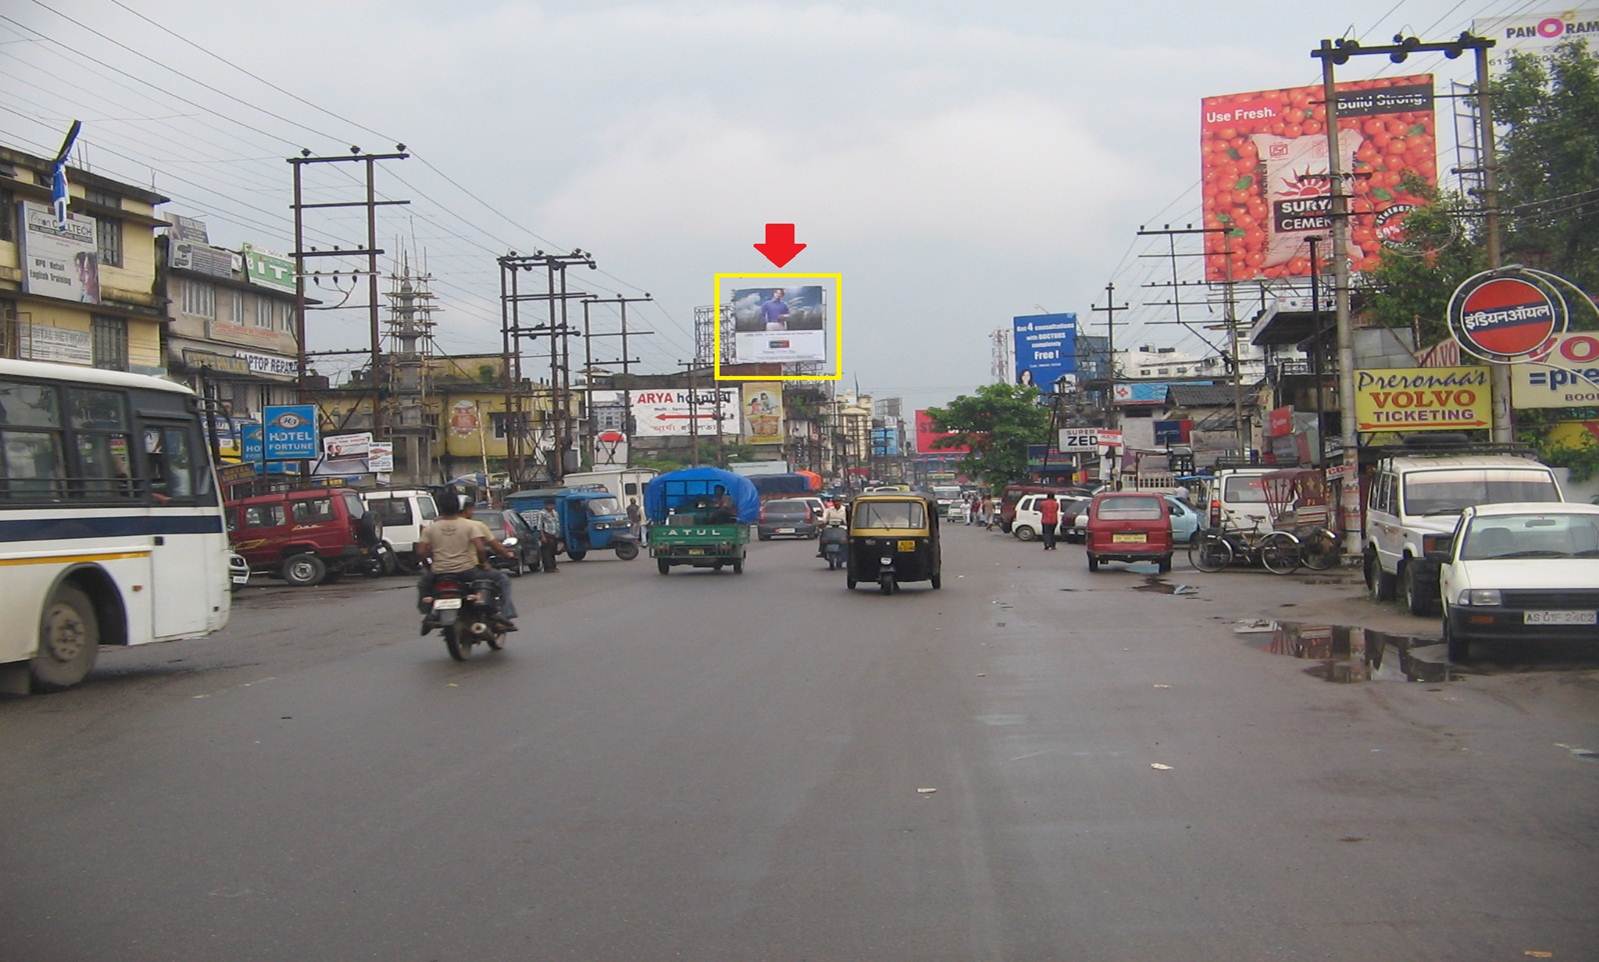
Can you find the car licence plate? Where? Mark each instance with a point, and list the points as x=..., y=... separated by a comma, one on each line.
x=907, y=546
x=785, y=530
x=446, y=604
x=696, y=551
x=1130, y=538
x=1559, y=617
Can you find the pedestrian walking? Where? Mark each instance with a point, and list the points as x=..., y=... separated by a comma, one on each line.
x=549, y=536
x=635, y=518
x=1049, y=520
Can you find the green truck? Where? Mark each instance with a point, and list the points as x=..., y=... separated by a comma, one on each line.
x=700, y=518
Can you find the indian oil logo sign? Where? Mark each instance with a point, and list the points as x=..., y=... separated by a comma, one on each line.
x=1421, y=399
x=1506, y=316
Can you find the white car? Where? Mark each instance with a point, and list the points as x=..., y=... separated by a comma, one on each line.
x=1517, y=571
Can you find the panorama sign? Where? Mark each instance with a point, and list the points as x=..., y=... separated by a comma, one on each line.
x=1506, y=316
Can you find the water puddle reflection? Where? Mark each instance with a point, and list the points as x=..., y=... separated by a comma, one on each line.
x=1350, y=653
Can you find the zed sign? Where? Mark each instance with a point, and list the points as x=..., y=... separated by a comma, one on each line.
x=1079, y=439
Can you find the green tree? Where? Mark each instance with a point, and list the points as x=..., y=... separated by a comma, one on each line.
x=1549, y=163
x=997, y=423
x=1549, y=193
x=1412, y=283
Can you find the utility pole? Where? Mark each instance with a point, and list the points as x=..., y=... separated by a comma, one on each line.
x=1109, y=310
x=1499, y=374
x=626, y=361
x=301, y=253
x=1332, y=53
x=558, y=332
x=1231, y=354
x=1315, y=350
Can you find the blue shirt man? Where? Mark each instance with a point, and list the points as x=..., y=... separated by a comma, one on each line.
x=775, y=312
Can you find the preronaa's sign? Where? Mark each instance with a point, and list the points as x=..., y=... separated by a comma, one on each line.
x=1408, y=399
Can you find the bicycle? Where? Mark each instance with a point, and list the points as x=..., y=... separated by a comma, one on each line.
x=1279, y=552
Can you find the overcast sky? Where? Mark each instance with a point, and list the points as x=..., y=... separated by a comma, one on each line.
x=958, y=163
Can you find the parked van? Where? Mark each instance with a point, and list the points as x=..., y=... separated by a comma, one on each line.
x=1237, y=499
x=405, y=512
x=1414, y=503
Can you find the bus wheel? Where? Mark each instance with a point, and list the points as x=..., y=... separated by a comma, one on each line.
x=69, y=641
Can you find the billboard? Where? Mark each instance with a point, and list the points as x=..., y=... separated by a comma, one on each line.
x=1421, y=399
x=779, y=324
x=927, y=435
x=268, y=269
x=1263, y=161
x=668, y=412
x=1046, y=348
x=1567, y=377
x=885, y=442
x=251, y=451
x=59, y=263
x=1144, y=392
x=1535, y=33
x=763, y=412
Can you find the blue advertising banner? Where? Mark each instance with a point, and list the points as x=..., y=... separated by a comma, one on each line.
x=290, y=433
x=885, y=442
x=1046, y=348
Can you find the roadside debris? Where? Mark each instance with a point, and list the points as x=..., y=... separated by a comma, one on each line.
x=1157, y=766
x=926, y=791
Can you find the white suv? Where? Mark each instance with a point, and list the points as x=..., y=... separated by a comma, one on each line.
x=405, y=512
x=1414, y=503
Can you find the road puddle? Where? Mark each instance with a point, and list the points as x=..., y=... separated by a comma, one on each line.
x=1350, y=653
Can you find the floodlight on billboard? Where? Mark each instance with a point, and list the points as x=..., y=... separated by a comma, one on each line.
x=1263, y=157
x=779, y=324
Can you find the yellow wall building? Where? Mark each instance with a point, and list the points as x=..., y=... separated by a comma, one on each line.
x=86, y=295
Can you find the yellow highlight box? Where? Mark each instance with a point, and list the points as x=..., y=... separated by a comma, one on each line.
x=838, y=328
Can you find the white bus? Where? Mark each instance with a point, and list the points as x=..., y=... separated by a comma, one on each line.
x=111, y=529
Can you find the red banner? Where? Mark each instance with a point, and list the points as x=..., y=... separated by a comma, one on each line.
x=1280, y=422
x=927, y=434
x=1263, y=156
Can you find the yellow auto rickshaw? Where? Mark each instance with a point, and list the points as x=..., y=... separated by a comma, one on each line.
x=893, y=538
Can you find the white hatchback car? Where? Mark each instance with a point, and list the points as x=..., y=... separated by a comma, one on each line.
x=1517, y=571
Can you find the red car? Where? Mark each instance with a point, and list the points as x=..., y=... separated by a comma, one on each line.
x=1128, y=526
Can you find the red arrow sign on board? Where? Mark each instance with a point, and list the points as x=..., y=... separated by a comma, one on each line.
x=780, y=246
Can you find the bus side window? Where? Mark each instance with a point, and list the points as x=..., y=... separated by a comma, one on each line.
x=31, y=447
x=170, y=457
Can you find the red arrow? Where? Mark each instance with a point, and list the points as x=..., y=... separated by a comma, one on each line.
x=780, y=246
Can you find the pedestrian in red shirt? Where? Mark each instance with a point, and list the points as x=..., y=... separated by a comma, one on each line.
x=1049, y=520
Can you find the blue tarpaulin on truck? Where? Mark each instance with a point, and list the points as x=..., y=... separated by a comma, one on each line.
x=677, y=489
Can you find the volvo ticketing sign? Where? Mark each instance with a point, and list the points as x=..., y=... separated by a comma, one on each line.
x=289, y=433
x=1046, y=348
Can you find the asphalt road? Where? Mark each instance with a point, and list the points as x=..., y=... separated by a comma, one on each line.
x=708, y=766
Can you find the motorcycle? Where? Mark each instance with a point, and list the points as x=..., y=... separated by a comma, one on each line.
x=834, y=542
x=465, y=609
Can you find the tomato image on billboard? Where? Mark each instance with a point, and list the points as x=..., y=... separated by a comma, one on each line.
x=1264, y=158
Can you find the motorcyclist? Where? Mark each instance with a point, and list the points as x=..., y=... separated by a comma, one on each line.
x=455, y=544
